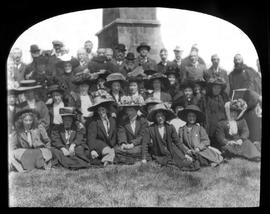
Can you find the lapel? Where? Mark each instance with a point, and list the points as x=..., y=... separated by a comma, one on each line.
x=100, y=124
x=111, y=129
x=138, y=126
x=128, y=127
x=62, y=133
x=24, y=139
x=72, y=136
x=159, y=138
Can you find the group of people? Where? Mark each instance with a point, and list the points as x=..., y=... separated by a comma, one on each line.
x=111, y=107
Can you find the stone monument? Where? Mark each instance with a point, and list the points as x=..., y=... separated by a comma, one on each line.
x=131, y=26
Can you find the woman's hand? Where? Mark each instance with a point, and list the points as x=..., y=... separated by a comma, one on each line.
x=94, y=154
x=72, y=149
x=197, y=150
x=188, y=157
x=65, y=151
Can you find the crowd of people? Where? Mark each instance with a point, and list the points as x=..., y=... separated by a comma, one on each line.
x=114, y=107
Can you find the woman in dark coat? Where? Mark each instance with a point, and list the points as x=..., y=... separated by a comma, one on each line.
x=195, y=138
x=163, y=143
x=174, y=88
x=102, y=131
x=215, y=100
x=69, y=147
x=232, y=134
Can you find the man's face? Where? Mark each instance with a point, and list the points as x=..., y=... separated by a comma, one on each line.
x=164, y=55
x=119, y=55
x=191, y=118
x=109, y=54
x=101, y=52
x=178, y=54
x=131, y=112
x=81, y=55
x=143, y=52
x=188, y=92
x=84, y=88
x=216, y=89
x=194, y=57
x=17, y=55
x=27, y=122
x=172, y=79
x=68, y=67
x=35, y=54
x=133, y=87
x=57, y=48
x=238, y=61
x=116, y=86
x=11, y=100
x=57, y=97
x=215, y=61
x=197, y=89
x=67, y=121
x=156, y=84
x=88, y=46
x=160, y=118
x=102, y=112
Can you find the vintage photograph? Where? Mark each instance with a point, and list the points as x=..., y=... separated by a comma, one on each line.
x=134, y=107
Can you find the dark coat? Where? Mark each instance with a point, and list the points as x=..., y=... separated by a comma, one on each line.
x=150, y=64
x=19, y=73
x=179, y=69
x=97, y=138
x=193, y=73
x=162, y=68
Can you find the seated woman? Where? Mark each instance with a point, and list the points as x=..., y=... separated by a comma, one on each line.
x=159, y=83
x=162, y=142
x=177, y=122
x=149, y=103
x=232, y=134
x=29, y=144
x=195, y=138
x=130, y=133
x=68, y=144
x=101, y=137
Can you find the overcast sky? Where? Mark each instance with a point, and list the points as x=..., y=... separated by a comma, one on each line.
x=178, y=27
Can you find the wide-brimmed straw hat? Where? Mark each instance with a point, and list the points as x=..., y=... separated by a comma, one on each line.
x=168, y=113
x=104, y=99
x=23, y=111
x=143, y=45
x=128, y=101
x=26, y=85
x=163, y=78
x=119, y=77
x=67, y=111
x=82, y=78
x=150, y=101
x=217, y=81
x=192, y=108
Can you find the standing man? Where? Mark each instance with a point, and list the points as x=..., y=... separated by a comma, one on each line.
x=163, y=65
x=243, y=76
x=187, y=59
x=177, y=62
x=119, y=58
x=88, y=46
x=143, y=59
x=215, y=71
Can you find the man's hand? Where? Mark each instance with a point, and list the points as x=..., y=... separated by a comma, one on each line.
x=130, y=146
x=123, y=146
x=189, y=152
x=72, y=149
x=197, y=150
x=239, y=142
x=49, y=101
x=231, y=142
x=188, y=157
x=65, y=151
x=94, y=154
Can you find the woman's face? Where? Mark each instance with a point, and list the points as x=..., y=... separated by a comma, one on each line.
x=216, y=89
x=160, y=118
x=133, y=87
x=234, y=115
x=131, y=112
x=191, y=118
x=67, y=121
x=197, y=89
x=67, y=67
x=156, y=85
x=143, y=52
x=102, y=112
x=11, y=100
x=29, y=95
x=84, y=88
x=27, y=122
x=57, y=97
x=81, y=55
x=172, y=79
x=116, y=86
x=188, y=92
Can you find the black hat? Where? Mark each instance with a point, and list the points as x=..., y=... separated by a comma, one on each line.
x=164, y=81
x=82, y=78
x=191, y=108
x=187, y=84
x=120, y=47
x=34, y=48
x=168, y=113
x=12, y=91
x=150, y=71
x=143, y=45
x=200, y=82
x=130, y=56
x=55, y=88
x=28, y=110
x=67, y=111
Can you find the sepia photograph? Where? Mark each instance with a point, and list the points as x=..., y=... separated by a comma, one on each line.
x=134, y=107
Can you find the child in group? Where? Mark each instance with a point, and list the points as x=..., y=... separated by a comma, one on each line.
x=29, y=144
x=162, y=142
x=195, y=138
x=233, y=134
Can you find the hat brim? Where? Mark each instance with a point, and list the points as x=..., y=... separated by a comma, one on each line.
x=108, y=84
x=20, y=89
x=169, y=115
x=143, y=46
x=211, y=84
x=61, y=91
x=95, y=106
x=68, y=114
x=200, y=117
x=28, y=110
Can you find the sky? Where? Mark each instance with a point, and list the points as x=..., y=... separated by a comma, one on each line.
x=178, y=27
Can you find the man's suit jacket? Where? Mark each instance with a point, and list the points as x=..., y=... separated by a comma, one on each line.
x=125, y=133
x=97, y=132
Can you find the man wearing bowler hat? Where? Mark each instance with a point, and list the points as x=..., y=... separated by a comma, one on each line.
x=119, y=57
x=143, y=59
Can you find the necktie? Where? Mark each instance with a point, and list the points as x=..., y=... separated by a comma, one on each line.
x=68, y=135
x=29, y=138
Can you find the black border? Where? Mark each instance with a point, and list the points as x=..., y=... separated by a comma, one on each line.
x=251, y=17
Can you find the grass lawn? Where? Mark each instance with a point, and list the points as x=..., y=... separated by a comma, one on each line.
x=234, y=184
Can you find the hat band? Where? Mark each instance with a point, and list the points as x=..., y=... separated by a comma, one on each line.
x=28, y=84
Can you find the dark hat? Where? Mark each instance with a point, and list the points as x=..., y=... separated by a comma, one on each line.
x=67, y=111
x=28, y=110
x=55, y=88
x=150, y=101
x=171, y=70
x=120, y=47
x=82, y=78
x=26, y=85
x=137, y=72
x=187, y=84
x=191, y=108
x=12, y=91
x=178, y=102
x=101, y=100
x=163, y=78
x=119, y=77
x=150, y=71
x=34, y=48
x=217, y=81
x=42, y=60
x=57, y=42
x=130, y=56
x=200, y=82
x=143, y=45
x=168, y=113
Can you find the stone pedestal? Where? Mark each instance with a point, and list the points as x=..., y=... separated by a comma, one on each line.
x=131, y=26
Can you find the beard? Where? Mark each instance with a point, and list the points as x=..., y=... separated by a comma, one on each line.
x=238, y=66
